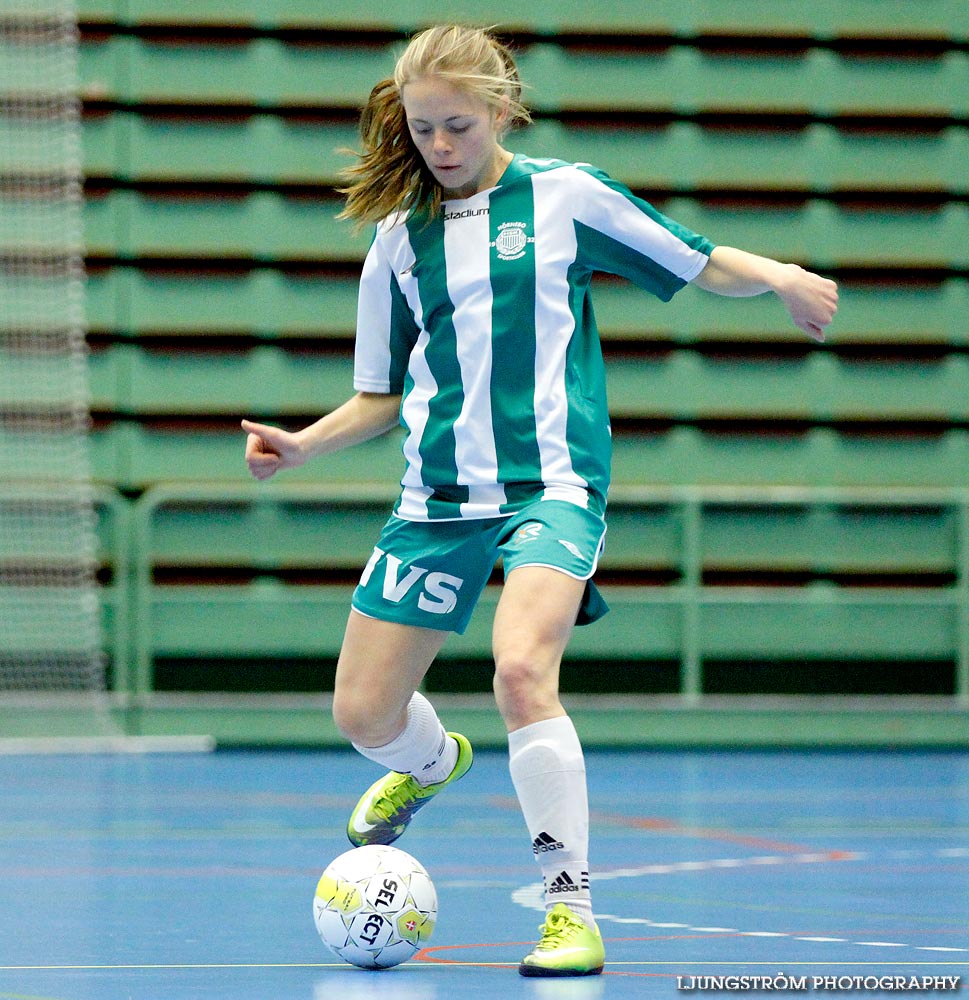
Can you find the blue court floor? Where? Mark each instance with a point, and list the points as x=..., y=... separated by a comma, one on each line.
x=171, y=877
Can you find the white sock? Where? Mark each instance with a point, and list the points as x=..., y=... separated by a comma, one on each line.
x=548, y=771
x=423, y=749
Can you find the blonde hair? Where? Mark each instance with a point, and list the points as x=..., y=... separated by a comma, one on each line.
x=390, y=175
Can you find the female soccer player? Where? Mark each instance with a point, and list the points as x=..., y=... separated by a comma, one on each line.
x=475, y=331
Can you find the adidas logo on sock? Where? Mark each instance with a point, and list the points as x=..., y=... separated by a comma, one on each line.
x=544, y=843
x=563, y=883
x=440, y=754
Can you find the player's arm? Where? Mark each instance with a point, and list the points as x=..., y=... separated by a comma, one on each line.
x=810, y=299
x=362, y=417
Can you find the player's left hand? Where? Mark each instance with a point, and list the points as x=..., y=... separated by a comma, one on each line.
x=810, y=299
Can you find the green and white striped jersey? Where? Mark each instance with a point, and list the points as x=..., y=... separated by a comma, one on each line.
x=482, y=320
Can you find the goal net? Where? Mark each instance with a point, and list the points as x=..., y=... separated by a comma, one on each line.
x=50, y=642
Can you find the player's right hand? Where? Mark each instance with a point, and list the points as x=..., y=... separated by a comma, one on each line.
x=269, y=449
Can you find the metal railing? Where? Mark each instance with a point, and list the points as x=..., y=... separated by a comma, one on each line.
x=693, y=599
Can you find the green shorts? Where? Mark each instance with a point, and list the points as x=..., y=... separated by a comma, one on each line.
x=431, y=573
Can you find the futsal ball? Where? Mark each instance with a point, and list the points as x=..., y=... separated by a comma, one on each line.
x=375, y=906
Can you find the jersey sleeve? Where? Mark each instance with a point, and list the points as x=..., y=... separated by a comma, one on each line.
x=620, y=233
x=386, y=330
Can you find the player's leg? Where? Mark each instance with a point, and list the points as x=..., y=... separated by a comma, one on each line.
x=376, y=705
x=380, y=667
x=533, y=623
x=420, y=584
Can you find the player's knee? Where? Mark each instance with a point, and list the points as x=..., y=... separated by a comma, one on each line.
x=358, y=719
x=525, y=686
x=346, y=718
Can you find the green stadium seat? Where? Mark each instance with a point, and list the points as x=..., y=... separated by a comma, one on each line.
x=129, y=379
x=687, y=386
x=127, y=302
x=689, y=80
x=134, y=456
x=902, y=314
x=793, y=505
x=262, y=225
x=244, y=13
x=894, y=312
x=688, y=532
x=262, y=148
x=102, y=148
x=680, y=385
x=871, y=160
x=920, y=538
x=99, y=11
x=819, y=158
x=804, y=626
x=269, y=226
x=917, y=390
x=242, y=622
x=270, y=620
x=831, y=236
x=896, y=626
x=266, y=530
x=821, y=456
x=256, y=72
x=645, y=534
x=541, y=15
x=262, y=302
x=681, y=156
x=680, y=78
x=824, y=19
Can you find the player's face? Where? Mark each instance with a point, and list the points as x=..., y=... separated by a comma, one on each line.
x=455, y=132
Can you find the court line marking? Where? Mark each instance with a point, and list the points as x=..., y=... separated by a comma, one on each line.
x=428, y=963
x=524, y=896
x=532, y=896
x=174, y=965
x=662, y=824
x=687, y=963
x=424, y=961
x=23, y=996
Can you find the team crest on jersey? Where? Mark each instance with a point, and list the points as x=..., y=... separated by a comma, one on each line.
x=512, y=240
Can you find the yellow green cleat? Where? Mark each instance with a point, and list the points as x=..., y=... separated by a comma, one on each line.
x=388, y=805
x=569, y=947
